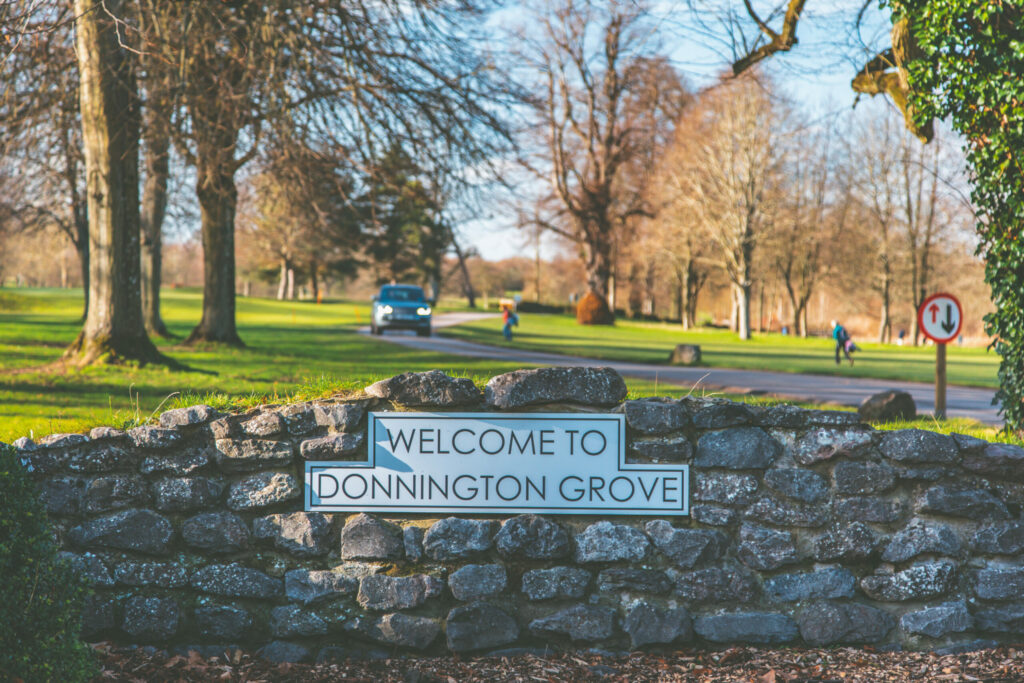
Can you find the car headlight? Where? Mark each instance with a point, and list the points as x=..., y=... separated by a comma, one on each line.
x=387, y=309
x=423, y=310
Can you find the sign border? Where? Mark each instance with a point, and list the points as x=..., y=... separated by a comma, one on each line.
x=683, y=470
x=959, y=321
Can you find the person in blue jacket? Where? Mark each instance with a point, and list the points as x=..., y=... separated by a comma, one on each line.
x=842, y=340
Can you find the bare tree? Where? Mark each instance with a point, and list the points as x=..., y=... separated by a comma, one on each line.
x=602, y=104
x=731, y=143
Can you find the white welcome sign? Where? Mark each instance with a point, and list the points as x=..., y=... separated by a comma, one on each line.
x=562, y=463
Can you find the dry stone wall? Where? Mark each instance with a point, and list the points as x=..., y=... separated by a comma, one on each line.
x=807, y=527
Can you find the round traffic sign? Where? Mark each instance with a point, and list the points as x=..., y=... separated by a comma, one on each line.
x=939, y=318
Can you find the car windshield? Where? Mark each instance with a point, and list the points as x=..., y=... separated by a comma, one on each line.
x=401, y=294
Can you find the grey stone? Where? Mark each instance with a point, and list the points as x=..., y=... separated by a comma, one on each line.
x=649, y=625
x=761, y=628
x=970, y=646
x=920, y=537
x=823, y=584
x=590, y=386
x=115, y=492
x=100, y=458
x=888, y=406
x=826, y=623
x=248, y=455
x=685, y=354
x=655, y=415
x=637, y=580
x=340, y=417
x=186, y=493
x=184, y=417
x=412, y=543
x=236, y=581
x=996, y=461
x=61, y=495
x=726, y=488
x=400, y=629
x=88, y=566
x=151, y=619
x=474, y=581
x=957, y=501
x=478, y=626
x=802, y=485
x=97, y=433
x=178, y=463
x=1007, y=618
x=153, y=437
x=454, y=538
x=765, y=549
x=607, y=542
x=223, y=428
x=262, y=490
x=870, y=509
x=938, y=621
x=264, y=424
x=359, y=570
x=1004, y=538
x=99, y=615
x=161, y=574
x=555, y=583
x=999, y=582
x=918, y=445
x=216, y=532
x=925, y=473
x=787, y=513
x=283, y=652
x=852, y=542
x=739, y=448
x=381, y=592
x=722, y=414
x=532, y=537
x=917, y=582
x=579, y=622
x=783, y=417
x=853, y=478
x=299, y=418
x=332, y=447
x=824, y=443
x=223, y=622
x=433, y=388
x=56, y=441
x=717, y=585
x=968, y=444
x=661, y=449
x=310, y=585
x=686, y=547
x=140, y=530
x=304, y=534
x=713, y=515
x=290, y=621
x=367, y=538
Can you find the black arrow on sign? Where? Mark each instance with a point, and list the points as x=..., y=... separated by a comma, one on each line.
x=948, y=325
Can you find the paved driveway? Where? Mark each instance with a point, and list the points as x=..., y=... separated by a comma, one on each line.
x=960, y=401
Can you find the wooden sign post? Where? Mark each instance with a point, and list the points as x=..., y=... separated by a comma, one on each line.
x=939, y=318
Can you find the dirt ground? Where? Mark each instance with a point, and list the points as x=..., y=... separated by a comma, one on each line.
x=736, y=664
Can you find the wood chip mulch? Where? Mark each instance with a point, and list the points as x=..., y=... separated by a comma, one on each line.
x=737, y=664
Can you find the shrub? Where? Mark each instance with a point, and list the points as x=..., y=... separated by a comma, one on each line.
x=593, y=310
x=41, y=609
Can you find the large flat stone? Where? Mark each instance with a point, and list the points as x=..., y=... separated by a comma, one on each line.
x=340, y=417
x=138, y=530
x=365, y=537
x=303, y=534
x=249, y=455
x=474, y=581
x=939, y=620
x=580, y=623
x=532, y=537
x=115, y=492
x=919, y=445
x=801, y=485
x=654, y=416
x=759, y=628
x=291, y=621
x=479, y=626
x=919, y=538
x=236, y=581
x=590, y=386
x=384, y=593
x=959, y=501
x=183, y=494
x=726, y=488
x=315, y=585
x=739, y=448
x=917, y=582
x=216, y=532
x=556, y=583
x=765, y=549
x=454, y=538
x=823, y=584
x=339, y=446
x=686, y=547
x=399, y=629
x=852, y=542
x=647, y=624
x=151, y=619
x=1002, y=538
x=999, y=582
x=828, y=623
x=607, y=542
x=856, y=478
x=716, y=585
x=223, y=622
x=634, y=580
x=263, y=490
x=788, y=513
x=825, y=443
x=433, y=388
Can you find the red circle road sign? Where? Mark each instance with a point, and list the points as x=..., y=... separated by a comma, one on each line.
x=939, y=318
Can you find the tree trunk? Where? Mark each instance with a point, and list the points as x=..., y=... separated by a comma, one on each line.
x=154, y=209
x=314, y=282
x=885, y=324
x=217, y=202
x=467, y=283
x=290, y=294
x=599, y=270
x=743, y=310
x=82, y=247
x=113, y=327
x=282, y=281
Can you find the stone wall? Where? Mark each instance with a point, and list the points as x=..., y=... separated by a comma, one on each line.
x=807, y=528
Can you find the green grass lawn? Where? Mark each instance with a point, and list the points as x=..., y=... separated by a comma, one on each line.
x=295, y=350
x=649, y=342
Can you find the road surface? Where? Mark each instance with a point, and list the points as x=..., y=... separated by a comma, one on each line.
x=960, y=401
